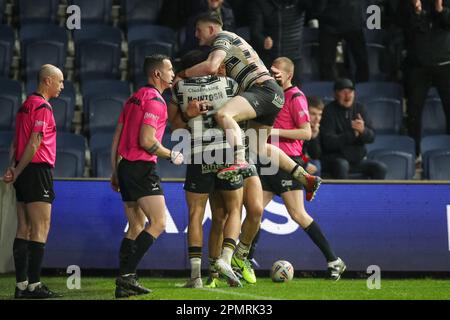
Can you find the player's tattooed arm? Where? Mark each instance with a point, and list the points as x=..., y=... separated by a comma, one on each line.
x=154, y=148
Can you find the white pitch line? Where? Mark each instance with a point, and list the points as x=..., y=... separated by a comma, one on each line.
x=239, y=294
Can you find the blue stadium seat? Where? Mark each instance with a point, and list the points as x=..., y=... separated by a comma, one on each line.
x=99, y=60
x=377, y=62
x=10, y=101
x=42, y=52
x=104, y=112
x=141, y=11
x=6, y=49
x=100, y=147
x=63, y=111
x=310, y=36
x=103, y=87
x=310, y=70
x=370, y=90
x=397, y=152
x=70, y=155
x=68, y=91
x=433, y=118
x=37, y=11
x=98, y=11
x=434, y=150
x=386, y=115
x=322, y=89
x=376, y=36
x=97, y=32
x=6, y=137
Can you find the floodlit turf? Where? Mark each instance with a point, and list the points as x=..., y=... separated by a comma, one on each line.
x=298, y=289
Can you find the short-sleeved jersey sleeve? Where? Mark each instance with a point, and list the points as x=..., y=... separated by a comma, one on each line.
x=174, y=97
x=154, y=109
x=42, y=117
x=222, y=42
x=299, y=110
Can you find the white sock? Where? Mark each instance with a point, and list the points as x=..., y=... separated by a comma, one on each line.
x=242, y=250
x=33, y=286
x=22, y=285
x=196, y=268
x=227, y=253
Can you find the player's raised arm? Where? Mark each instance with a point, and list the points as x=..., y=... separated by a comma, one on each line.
x=209, y=66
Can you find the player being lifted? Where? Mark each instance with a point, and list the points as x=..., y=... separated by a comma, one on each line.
x=259, y=99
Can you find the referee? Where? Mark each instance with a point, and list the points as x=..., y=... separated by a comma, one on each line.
x=33, y=158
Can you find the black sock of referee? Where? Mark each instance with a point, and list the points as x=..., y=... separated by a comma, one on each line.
x=20, y=253
x=35, y=258
x=142, y=244
x=316, y=235
x=125, y=252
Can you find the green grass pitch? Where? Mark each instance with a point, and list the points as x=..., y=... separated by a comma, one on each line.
x=96, y=288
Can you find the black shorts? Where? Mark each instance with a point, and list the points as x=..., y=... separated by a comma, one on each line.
x=35, y=184
x=267, y=98
x=280, y=182
x=202, y=178
x=138, y=179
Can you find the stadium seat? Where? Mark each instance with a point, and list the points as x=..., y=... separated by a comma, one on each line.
x=63, y=111
x=434, y=150
x=38, y=11
x=42, y=52
x=397, y=152
x=433, y=118
x=100, y=147
x=68, y=91
x=376, y=36
x=141, y=11
x=378, y=69
x=386, y=115
x=103, y=87
x=70, y=155
x=370, y=90
x=6, y=49
x=97, y=32
x=322, y=89
x=99, y=60
x=310, y=36
x=104, y=112
x=10, y=101
x=310, y=62
x=98, y=11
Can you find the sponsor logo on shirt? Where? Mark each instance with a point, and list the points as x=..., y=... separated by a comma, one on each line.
x=149, y=115
x=278, y=101
x=40, y=123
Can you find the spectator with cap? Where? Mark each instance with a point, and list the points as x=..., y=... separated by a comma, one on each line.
x=345, y=129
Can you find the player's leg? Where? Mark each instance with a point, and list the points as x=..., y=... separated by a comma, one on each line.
x=39, y=214
x=196, y=204
x=279, y=159
x=294, y=203
x=253, y=202
x=219, y=218
x=136, y=223
x=233, y=203
x=20, y=250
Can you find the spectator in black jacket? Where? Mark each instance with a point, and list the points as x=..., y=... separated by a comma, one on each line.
x=427, y=31
x=276, y=30
x=345, y=129
x=342, y=20
x=219, y=6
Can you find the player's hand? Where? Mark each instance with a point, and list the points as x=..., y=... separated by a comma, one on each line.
x=9, y=176
x=417, y=4
x=115, y=182
x=276, y=74
x=439, y=6
x=196, y=108
x=176, y=157
x=315, y=130
x=310, y=168
x=268, y=43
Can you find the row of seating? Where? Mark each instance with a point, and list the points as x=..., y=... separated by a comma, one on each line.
x=397, y=152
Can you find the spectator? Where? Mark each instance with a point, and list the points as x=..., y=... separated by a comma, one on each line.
x=345, y=129
x=342, y=20
x=276, y=30
x=221, y=8
x=427, y=30
x=311, y=148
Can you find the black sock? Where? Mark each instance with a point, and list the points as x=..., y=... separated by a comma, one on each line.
x=126, y=250
x=253, y=246
x=230, y=243
x=142, y=244
x=316, y=235
x=20, y=253
x=195, y=252
x=35, y=258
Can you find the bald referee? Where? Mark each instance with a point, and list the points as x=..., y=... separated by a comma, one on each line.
x=33, y=156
